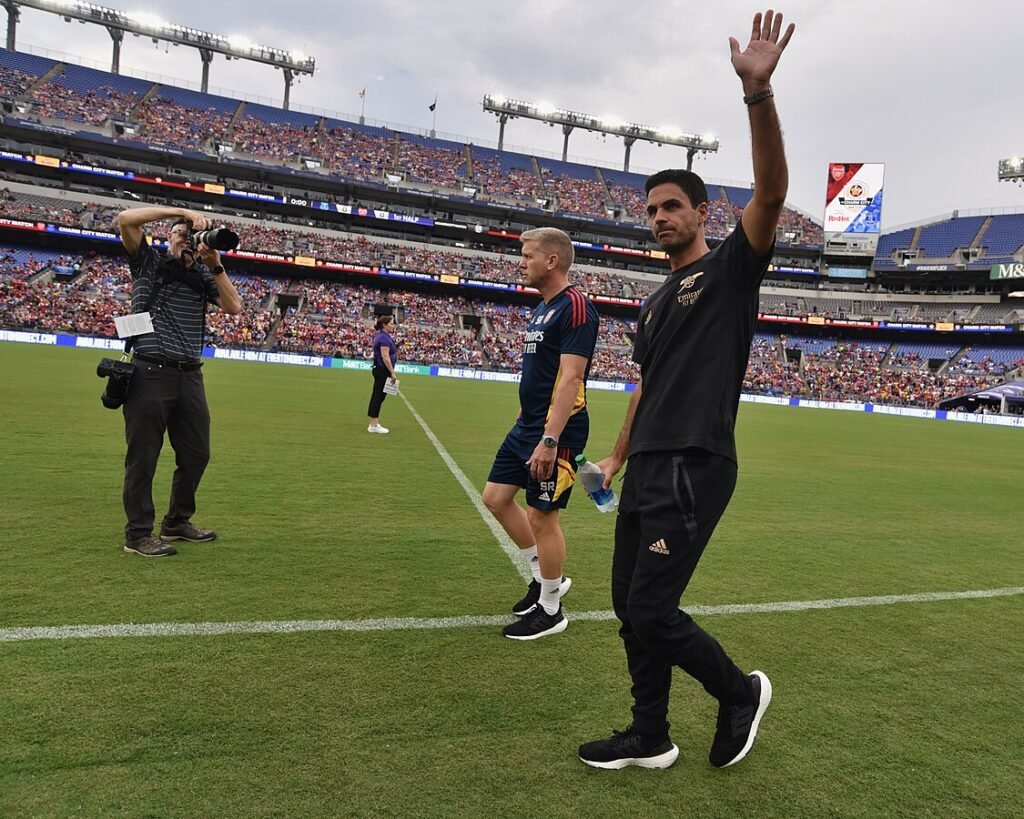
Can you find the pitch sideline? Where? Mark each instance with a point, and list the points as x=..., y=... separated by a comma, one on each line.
x=506, y=543
x=8, y=635
x=466, y=621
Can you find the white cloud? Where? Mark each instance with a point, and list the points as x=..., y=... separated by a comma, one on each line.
x=876, y=80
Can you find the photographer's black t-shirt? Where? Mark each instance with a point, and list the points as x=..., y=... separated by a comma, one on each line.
x=692, y=344
x=178, y=310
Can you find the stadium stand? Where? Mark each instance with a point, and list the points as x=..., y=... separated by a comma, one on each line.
x=78, y=293
x=189, y=120
x=1004, y=238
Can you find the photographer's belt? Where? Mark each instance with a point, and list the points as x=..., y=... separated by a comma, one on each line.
x=186, y=365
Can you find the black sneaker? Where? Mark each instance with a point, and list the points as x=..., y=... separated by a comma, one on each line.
x=149, y=547
x=529, y=603
x=737, y=724
x=538, y=623
x=629, y=747
x=187, y=531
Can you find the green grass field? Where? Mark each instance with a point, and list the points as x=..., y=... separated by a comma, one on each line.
x=909, y=709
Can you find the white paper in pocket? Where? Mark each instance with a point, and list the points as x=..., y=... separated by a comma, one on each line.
x=136, y=324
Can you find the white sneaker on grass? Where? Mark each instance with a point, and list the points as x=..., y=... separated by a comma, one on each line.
x=378, y=429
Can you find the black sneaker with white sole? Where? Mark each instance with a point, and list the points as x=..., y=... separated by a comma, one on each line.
x=529, y=603
x=148, y=546
x=186, y=530
x=737, y=724
x=538, y=623
x=630, y=747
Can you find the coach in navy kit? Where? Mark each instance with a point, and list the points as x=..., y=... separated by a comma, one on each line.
x=166, y=393
x=692, y=344
x=551, y=430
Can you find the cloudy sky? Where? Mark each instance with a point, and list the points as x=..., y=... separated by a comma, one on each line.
x=931, y=90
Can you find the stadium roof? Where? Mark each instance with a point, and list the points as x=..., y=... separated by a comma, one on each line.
x=1012, y=391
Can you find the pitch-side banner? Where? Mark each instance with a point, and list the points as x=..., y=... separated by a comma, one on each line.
x=853, y=206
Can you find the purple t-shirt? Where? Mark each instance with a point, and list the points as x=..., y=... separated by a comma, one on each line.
x=381, y=340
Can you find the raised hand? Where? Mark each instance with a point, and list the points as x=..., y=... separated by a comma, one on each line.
x=197, y=220
x=757, y=62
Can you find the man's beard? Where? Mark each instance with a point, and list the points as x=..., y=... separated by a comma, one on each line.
x=675, y=244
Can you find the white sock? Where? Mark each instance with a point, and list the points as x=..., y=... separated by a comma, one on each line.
x=550, y=598
x=532, y=561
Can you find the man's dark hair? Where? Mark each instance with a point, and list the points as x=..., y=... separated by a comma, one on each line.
x=181, y=220
x=690, y=184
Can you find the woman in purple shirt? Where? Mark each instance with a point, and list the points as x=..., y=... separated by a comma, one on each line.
x=383, y=371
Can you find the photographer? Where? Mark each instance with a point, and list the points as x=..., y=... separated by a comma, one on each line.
x=166, y=391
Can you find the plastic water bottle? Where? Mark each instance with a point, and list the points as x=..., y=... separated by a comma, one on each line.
x=593, y=481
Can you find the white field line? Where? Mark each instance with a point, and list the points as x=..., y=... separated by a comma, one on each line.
x=426, y=623
x=503, y=539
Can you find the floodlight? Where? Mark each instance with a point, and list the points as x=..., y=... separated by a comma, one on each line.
x=1012, y=168
x=139, y=23
x=148, y=20
x=505, y=109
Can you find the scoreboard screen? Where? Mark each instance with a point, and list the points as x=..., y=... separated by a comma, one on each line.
x=853, y=207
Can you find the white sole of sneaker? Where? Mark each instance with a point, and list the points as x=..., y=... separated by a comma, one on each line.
x=563, y=589
x=143, y=554
x=762, y=706
x=169, y=538
x=557, y=628
x=660, y=761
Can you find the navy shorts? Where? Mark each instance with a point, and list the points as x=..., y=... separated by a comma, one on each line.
x=510, y=468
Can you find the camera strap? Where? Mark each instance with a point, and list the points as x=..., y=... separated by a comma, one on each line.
x=167, y=271
x=130, y=341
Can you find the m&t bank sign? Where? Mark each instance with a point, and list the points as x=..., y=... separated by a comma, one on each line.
x=1007, y=271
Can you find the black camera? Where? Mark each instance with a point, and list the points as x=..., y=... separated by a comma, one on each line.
x=221, y=238
x=118, y=375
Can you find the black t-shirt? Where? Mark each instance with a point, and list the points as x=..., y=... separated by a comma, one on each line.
x=692, y=344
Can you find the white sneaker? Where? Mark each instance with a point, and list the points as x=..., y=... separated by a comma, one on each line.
x=378, y=429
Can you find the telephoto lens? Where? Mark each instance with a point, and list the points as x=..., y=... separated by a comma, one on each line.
x=221, y=238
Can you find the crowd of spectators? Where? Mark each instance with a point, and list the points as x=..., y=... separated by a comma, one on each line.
x=849, y=371
x=248, y=329
x=575, y=195
x=182, y=126
x=363, y=154
x=985, y=365
x=57, y=305
x=31, y=208
x=274, y=140
x=14, y=83
x=803, y=228
x=56, y=101
x=334, y=318
x=519, y=182
x=355, y=154
x=432, y=165
x=914, y=360
x=351, y=152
